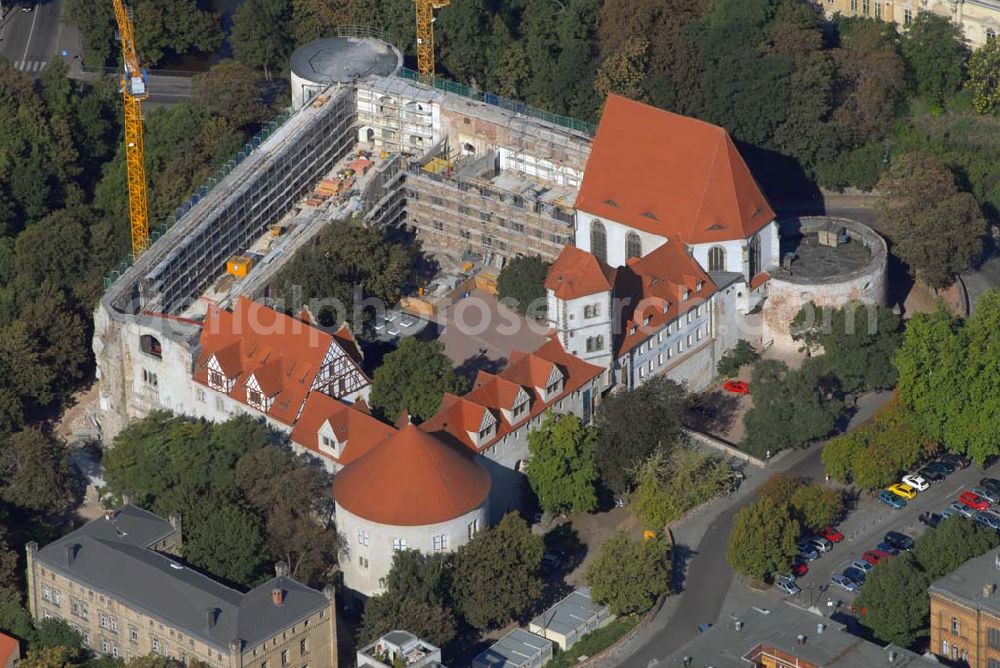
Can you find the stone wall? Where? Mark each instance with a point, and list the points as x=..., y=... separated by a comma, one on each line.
x=788, y=294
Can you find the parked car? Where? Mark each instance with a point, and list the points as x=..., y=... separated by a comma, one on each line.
x=862, y=565
x=704, y=627
x=787, y=584
x=407, y=321
x=930, y=519
x=799, y=567
x=888, y=549
x=973, y=500
x=898, y=540
x=991, y=484
x=957, y=509
x=987, y=494
x=821, y=544
x=736, y=387
x=902, y=490
x=957, y=461
x=890, y=499
x=844, y=583
x=807, y=551
x=916, y=481
x=830, y=534
x=933, y=474
x=874, y=557
x=855, y=574
x=987, y=519
x=944, y=468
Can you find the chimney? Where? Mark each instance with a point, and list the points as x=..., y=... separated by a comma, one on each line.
x=988, y=589
x=820, y=628
x=800, y=639
x=278, y=596
x=281, y=569
x=687, y=661
x=739, y=624
x=70, y=553
x=892, y=657
x=210, y=618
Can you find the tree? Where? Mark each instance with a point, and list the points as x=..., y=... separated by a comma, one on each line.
x=669, y=486
x=936, y=229
x=735, y=358
x=790, y=408
x=416, y=598
x=35, y=472
x=839, y=454
x=629, y=575
x=984, y=77
x=54, y=632
x=895, y=599
x=561, y=468
x=817, y=506
x=521, y=284
x=52, y=657
x=174, y=26
x=231, y=89
x=414, y=378
x=228, y=543
x=14, y=617
x=935, y=51
x=941, y=550
x=857, y=343
x=261, y=35
x=632, y=424
x=623, y=72
x=497, y=573
x=762, y=540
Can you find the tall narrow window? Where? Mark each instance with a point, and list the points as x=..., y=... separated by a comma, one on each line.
x=754, y=256
x=599, y=241
x=717, y=259
x=633, y=245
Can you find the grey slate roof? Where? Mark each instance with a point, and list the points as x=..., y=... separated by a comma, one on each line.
x=967, y=582
x=111, y=557
x=572, y=613
x=723, y=646
x=517, y=648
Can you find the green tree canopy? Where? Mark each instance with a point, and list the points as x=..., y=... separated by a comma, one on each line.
x=35, y=472
x=935, y=52
x=857, y=342
x=414, y=378
x=634, y=423
x=231, y=89
x=497, y=573
x=629, y=575
x=670, y=485
x=561, y=467
x=954, y=541
x=984, y=77
x=262, y=34
x=522, y=284
x=936, y=229
x=229, y=543
x=894, y=597
x=762, y=540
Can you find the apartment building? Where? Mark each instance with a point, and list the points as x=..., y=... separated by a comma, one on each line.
x=965, y=613
x=118, y=582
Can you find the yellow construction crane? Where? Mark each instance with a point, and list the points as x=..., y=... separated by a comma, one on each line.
x=425, y=34
x=133, y=92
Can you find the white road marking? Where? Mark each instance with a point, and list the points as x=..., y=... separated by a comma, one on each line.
x=34, y=17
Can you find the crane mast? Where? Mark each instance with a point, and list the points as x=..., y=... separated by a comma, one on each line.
x=133, y=92
x=425, y=34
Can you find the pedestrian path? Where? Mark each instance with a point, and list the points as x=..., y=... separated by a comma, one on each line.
x=31, y=65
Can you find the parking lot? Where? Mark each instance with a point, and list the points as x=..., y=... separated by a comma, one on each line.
x=866, y=526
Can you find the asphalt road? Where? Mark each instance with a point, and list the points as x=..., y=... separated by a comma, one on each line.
x=30, y=40
x=709, y=577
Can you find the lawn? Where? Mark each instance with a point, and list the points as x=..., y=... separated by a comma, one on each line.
x=594, y=642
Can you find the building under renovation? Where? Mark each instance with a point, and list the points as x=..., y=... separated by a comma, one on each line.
x=477, y=176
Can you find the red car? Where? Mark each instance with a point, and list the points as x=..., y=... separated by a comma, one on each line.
x=973, y=500
x=736, y=387
x=875, y=557
x=831, y=535
x=799, y=567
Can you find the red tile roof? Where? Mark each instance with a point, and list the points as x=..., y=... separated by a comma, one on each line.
x=8, y=648
x=524, y=371
x=652, y=282
x=759, y=280
x=412, y=479
x=670, y=175
x=282, y=353
x=352, y=423
x=577, y=273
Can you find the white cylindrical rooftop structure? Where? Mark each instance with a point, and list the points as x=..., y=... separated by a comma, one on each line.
x=318, y=64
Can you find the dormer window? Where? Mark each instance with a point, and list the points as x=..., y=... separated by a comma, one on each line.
x=520, y=410
x=685, y=295
x=486, y=432
x=645, y=321
x=553, y=388
x=217, y=381
x=632, y=329
x=257, y=400
x=699, y=285
x=666, y=307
